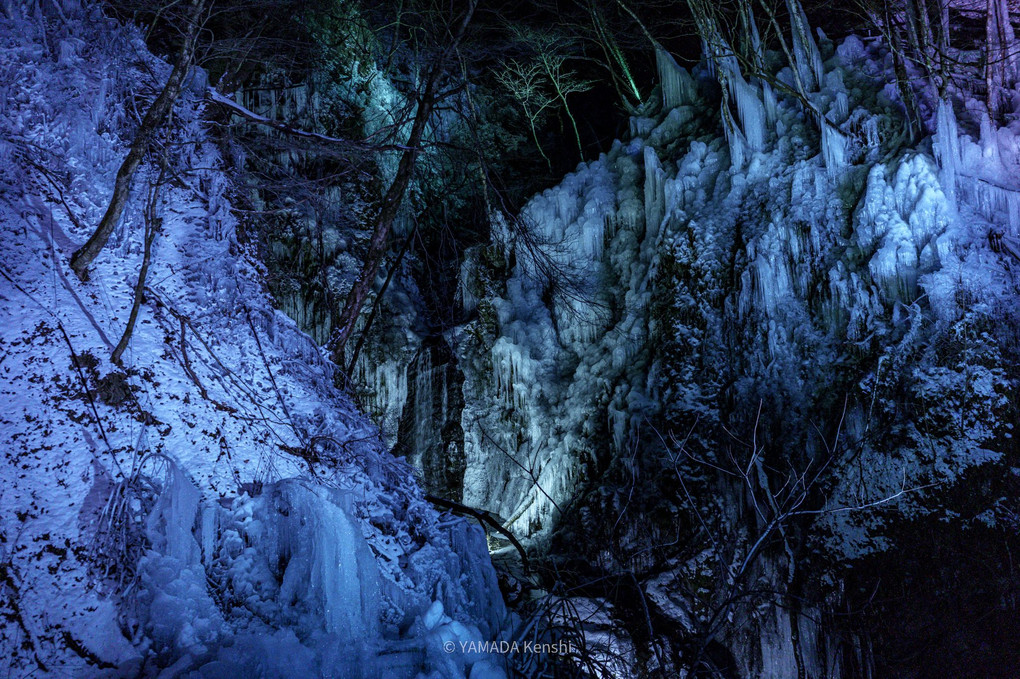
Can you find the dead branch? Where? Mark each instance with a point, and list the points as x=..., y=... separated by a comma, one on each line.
x=485, y=518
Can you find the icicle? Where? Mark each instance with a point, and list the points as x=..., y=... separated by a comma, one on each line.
x=566, y=207
x=678, y=87
x=750, y=109
x=1013, y=212
x=328, y=564
x=839, y=110
x=753, y=35
x=468, y=301
x=592, y=237
x=655, y=195
x=513, y=371
x=994, y=202
x=871, y=136
x=805, y=51
x=209, y=533
x=738, y=146
x=771, y=105
x=834, y=147
x=989, y=141
x=99, y=104
x=851, y=50
x=424, y=399
x=641, y=127
x=171, y=522
x=386, y=384
x=841, y=107
x=947, y=148
x=617, y=426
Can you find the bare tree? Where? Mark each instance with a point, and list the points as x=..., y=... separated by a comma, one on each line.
x=542, y=81
x=152, y=122
x=430, y=95
x=1001, y=73
x=153, y=223
x=782, y=497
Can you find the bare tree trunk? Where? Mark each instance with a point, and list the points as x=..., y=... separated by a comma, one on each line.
x=153, y=222
x=1000, y=59
x=154, y=118
x=378, y=300
x=393, y=198
x=914, y=122
x=573, y=123
x=943, y=7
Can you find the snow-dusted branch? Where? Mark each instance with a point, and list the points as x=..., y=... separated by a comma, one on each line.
x=241, y=111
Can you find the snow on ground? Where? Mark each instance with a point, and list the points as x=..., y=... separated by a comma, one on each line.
x=213, y=507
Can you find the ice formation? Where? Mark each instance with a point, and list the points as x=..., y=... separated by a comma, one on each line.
x=213, y=507
x=743, y=259
x=678, y=88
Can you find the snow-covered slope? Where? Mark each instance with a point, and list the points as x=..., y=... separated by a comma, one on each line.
x=212, y=507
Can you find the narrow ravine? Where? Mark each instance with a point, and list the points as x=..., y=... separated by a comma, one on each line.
x=465, y=340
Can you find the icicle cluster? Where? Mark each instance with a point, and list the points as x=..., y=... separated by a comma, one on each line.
x=678, y=87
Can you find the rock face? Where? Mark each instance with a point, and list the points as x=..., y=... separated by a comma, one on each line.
x=732, y=353
x=431, y=434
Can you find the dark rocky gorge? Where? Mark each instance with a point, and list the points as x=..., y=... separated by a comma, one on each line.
x=371, y=377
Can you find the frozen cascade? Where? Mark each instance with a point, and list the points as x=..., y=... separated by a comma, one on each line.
x=773, y=250
x=678, y=87
x=242, y=548
x=597, y=214
x=834, y=149
x=749, y=108
x=655, y=193
x=296, y=555
x=947, y=147
x=807, y=58
x=386, y=389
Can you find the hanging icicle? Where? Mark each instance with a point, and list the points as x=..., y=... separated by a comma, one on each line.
x=805, y=50
x=678, y=87
x=834, y=149
x=947, y=147
x=655, y=194
x=750, y=109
